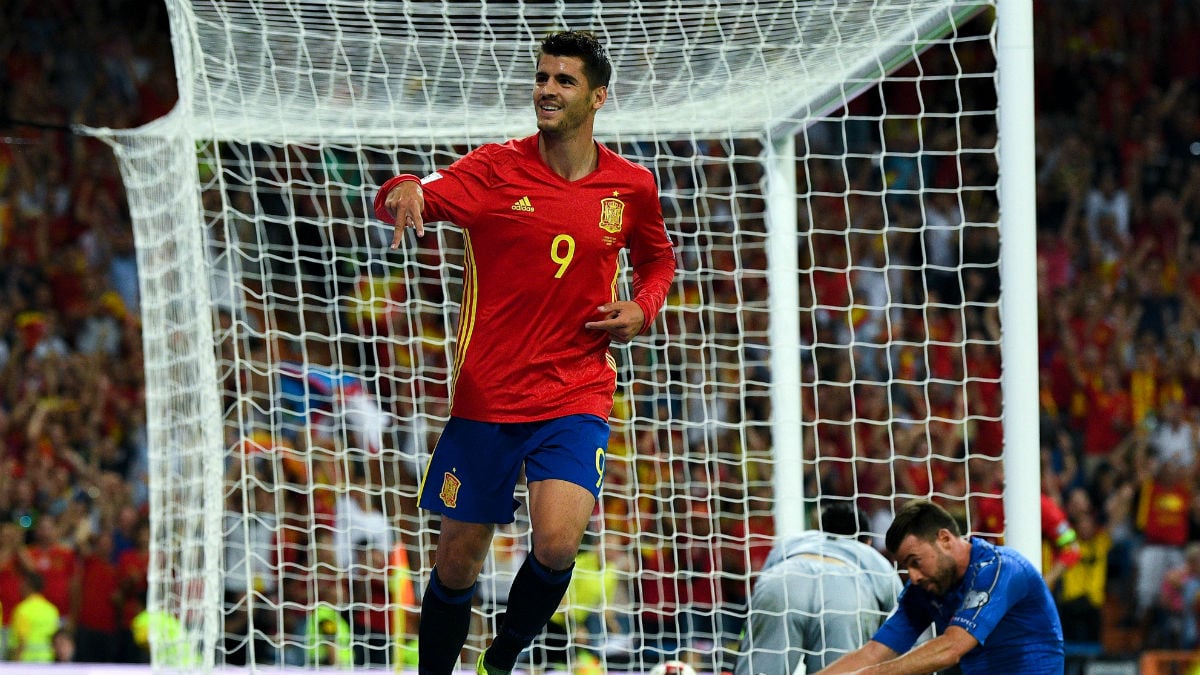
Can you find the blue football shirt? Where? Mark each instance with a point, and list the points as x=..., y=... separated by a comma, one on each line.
x=1001, y=601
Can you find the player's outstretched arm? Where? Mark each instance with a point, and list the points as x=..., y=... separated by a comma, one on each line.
x=868, y=655
x=939, y=653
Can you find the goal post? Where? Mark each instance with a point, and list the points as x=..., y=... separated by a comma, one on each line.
x=833, y=175
x=1018, y=277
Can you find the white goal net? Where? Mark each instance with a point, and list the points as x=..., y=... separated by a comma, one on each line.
x=829, y=176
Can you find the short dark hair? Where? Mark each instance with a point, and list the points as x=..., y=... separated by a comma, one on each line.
x=844, y=518
x=584, y=45
x=922, y=519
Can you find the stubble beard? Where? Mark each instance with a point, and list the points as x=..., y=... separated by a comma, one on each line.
x=944, y=578
x=565, y=126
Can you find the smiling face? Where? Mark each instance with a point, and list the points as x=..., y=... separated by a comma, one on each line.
x=562, y=97
x=929, y=564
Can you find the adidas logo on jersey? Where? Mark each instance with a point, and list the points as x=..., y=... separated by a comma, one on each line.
x=523, y=204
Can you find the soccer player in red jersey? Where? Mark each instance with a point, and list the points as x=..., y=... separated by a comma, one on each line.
x=544, y=219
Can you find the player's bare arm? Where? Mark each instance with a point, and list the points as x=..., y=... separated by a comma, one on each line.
x=623, y=320
x=937, y=654
x=406, y=203
x=867, y=655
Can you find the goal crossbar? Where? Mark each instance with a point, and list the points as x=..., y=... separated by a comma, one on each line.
x=405, y=72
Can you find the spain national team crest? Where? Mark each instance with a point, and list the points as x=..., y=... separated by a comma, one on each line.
x=450, y=487
x=611, y=209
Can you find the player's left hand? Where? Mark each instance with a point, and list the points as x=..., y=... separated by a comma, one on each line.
x=623, y=320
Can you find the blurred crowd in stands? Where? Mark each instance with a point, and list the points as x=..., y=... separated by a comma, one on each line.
x=72, y=418
x=1118, y=204
x=1118, y=129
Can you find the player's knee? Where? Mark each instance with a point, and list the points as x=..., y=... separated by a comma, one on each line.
x=457, y=575
x=458, y=568
x=556, y=556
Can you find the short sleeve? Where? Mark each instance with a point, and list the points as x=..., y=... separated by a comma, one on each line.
x=901, y=630
x=993, y=591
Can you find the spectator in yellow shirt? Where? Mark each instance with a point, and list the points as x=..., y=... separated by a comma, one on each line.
x=35, y=620
x=1081, y=593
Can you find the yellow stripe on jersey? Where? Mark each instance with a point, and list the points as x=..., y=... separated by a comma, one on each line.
x=466, y=318
x=612, y=362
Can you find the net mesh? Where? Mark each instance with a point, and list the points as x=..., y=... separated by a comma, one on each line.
x=298, y=370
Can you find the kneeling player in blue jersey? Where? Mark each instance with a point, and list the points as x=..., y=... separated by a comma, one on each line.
x=992, y=610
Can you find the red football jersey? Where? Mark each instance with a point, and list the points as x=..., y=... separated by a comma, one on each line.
x=541, y=256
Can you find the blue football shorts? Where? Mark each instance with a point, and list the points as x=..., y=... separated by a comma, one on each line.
x=473, y=471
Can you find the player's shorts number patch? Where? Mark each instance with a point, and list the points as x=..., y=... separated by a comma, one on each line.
x=599, y=466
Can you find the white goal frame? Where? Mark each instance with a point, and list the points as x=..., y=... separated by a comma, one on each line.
x=215, y=95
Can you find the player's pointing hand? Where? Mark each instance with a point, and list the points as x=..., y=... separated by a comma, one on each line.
x=622, y=320
x=406, y=203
